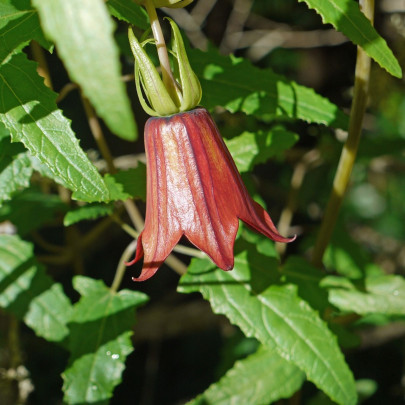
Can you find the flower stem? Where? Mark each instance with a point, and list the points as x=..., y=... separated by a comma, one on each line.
x=167, y=75
x=349, y=152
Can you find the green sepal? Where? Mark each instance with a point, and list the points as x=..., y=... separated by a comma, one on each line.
x=159, y=98
x=190, y=85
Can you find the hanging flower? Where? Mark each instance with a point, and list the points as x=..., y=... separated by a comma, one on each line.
x=194, y=189
x=193, y=186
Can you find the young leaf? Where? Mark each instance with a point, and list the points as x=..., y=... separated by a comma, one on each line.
x=382, y=294
x=27, y=292
x=261, y=378
x=18, y=24
x=83, y=34
x=15, y=168
x=130, y=12
x=346, y=17
x=91, y=211
x=20, y=210
x=249, y=149
x=99, y=341
x=277, y=317
x=239, y=86
x=28, y=110
x=127, y=183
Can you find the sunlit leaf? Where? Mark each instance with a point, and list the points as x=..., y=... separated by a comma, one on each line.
x=237, y=85
x=381, y=294
x=18, y=24
x=249, y=149
x=27, y=292
x=99, y=341
x=130, y=12
x=261, y=378
x=346, y=17
x=28, y=110
x=83, y=34
x=276, y=316
x=91, y=211
x=15, y=168
x=127, y=183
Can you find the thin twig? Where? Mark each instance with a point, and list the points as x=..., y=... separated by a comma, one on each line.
x=121, y=268
x=307, y=161
x=97, y=133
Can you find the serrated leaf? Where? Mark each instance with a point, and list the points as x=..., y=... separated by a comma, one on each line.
x=127, y=183
x=345, y=16
x=83, y=34
x=31, y=209
x=91, y=211
x=249, y=149
x=15, y=168
x=261, y=378
x=28, y=110
x=29, y=293
x=18, y=24
x=275, y=316
x=239, y=86
x=381, y=294
x=130, y=12
x=99, y=342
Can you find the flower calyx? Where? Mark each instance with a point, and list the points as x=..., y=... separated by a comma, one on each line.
x=161, y=100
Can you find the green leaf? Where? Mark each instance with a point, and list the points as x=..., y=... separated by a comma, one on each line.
x=381, y=294
x=250, y=149
x=30, y=209
x=239, y=86
x=130, y=12
x=127, y=183
x=276, y=316
x=91, y=211
x=298, y=271
x=28, y=110
x=15, y=168
x=99, y=341
x=347, y=257
x=83, y=34
x=261, y=378
x=27, y=292
x=18, y=24
x=345, y=16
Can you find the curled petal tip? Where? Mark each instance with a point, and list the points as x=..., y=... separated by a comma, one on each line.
x=146, y=274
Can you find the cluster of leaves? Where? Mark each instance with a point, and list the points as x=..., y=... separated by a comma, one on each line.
x=285, y=307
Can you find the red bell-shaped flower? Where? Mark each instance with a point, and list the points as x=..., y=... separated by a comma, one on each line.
x=194, y=189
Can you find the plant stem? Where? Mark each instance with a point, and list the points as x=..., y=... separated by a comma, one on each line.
x=349, y=152
x=310, y=159
x=167, y=75
x=119, y=273
x=98, y=135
